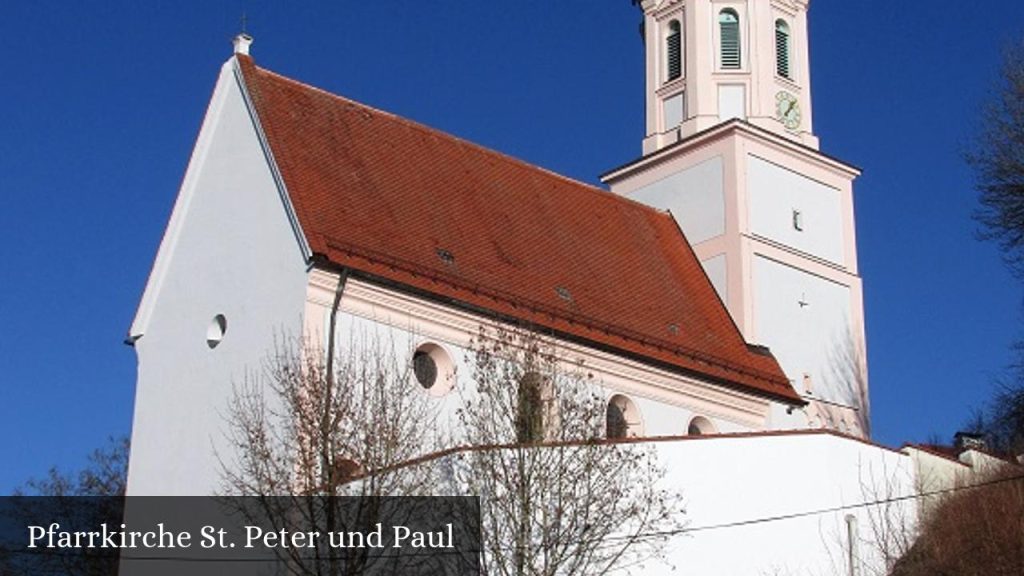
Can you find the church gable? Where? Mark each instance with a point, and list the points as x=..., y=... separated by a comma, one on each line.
x=230, y=218
x=402, y=203
x=230, y=277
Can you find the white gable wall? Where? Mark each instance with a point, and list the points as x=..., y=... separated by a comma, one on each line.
x=229, y=249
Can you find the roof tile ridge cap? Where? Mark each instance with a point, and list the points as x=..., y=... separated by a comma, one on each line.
x=327, y=93
x=460, y=140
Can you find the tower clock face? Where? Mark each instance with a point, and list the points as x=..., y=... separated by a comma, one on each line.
x=787, y=110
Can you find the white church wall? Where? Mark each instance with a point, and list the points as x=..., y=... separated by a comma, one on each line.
x=935, y=473
x=743, y=485
x=806, y=321
x=774, y=503
x=667, y=402
x=354, y=330
x=229, y=250
x=784, y=417
x=695, y=196
x=794, y=210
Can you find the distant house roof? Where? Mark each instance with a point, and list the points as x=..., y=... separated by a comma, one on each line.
x=954, y=453
x=414, y=206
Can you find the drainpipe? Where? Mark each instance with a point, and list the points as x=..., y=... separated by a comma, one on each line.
x=326, y=450
x=338, y=290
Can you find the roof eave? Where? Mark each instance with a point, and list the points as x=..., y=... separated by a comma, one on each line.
x=790, y=397
x=717, y=132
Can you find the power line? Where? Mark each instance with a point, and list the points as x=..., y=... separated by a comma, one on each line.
x=891, y=500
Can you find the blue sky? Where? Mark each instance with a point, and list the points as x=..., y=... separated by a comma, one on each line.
x=100, y=104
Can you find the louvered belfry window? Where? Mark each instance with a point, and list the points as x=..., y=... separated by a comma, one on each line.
x=674, y=51
x=782, y=49
x=729, y=27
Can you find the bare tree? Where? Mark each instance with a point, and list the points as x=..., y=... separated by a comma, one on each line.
x=84, y=499
x=997, y=158
x=976, y=530
x=998, y=161
x=105, y=474
x=972, y=525
x=1002, y=423
x=302, y=427
x=556, y=496
x=311, y=426
x=891, y=522
x=847, y=377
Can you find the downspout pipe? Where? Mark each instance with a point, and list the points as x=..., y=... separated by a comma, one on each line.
x=326, y=449
x=343, y=275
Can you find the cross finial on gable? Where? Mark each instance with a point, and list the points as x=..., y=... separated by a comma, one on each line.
x=243, y=40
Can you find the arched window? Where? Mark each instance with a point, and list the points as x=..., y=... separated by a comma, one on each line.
x=700, y=426
x=674, y=50
x=729, y=30
x=530, y=409
x=622, y=418
x=782, y=49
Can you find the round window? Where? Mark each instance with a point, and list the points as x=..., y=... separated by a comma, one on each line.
x=424, y=368
x=433, y=369
x=215, y=331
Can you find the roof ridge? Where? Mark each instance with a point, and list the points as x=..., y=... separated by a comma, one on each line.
x=463, y=141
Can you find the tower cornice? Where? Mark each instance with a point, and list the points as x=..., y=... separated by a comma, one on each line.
x=723, y=130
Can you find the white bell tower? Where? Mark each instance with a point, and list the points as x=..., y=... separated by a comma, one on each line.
x=729, y=150
x=708, y=62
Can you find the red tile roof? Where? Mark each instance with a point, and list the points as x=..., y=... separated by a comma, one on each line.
x=412, y=205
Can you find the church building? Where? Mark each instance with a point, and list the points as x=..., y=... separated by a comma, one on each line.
x=712, y=287
x=294, y=195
